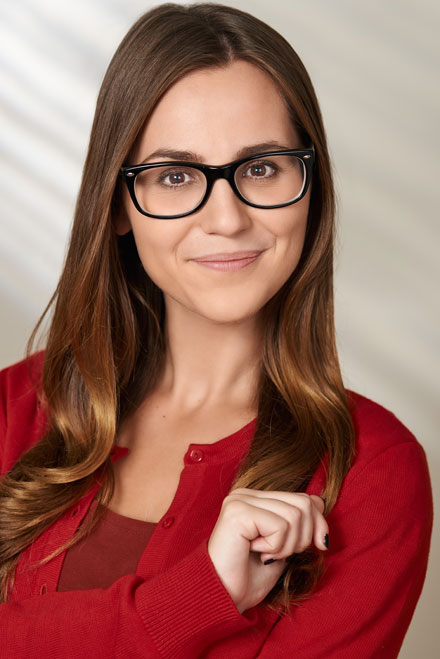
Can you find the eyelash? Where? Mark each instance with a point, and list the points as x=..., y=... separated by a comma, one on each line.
x=256, y=163
x=268, y=163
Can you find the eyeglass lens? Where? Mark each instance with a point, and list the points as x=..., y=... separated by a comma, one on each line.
x=172, y=190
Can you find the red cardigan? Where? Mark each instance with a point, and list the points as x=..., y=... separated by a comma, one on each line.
x=175, y=605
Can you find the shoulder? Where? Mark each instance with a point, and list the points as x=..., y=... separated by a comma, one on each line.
x=19, y=384
x=21, y=417
x=376, y=428
x=19, y=377
x=388, y=458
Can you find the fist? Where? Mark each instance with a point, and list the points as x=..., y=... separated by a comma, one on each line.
x=254, y=525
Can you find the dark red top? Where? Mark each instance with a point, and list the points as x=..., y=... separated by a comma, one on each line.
x=112, y=550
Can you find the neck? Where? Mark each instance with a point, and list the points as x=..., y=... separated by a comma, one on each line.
x=208, y=363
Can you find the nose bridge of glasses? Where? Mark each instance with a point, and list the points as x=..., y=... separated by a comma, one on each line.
x=213, y=173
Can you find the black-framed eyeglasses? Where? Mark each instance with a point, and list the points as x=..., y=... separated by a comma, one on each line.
x=172, y=189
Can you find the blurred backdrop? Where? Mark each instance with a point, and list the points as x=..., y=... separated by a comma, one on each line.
x=375, y=68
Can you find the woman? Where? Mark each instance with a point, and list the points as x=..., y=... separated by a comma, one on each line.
x=190, y=395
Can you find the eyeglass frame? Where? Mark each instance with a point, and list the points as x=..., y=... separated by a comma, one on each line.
x=214, y=172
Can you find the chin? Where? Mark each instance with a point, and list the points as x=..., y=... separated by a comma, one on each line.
x=227, y=313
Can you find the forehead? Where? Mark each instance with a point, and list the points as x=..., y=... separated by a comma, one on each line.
x=218, y=111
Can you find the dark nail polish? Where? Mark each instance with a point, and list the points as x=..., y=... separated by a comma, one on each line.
x=270, y=560
x=326, y=540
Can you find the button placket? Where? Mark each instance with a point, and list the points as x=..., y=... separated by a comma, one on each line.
x=169, y=527
x=194, y=455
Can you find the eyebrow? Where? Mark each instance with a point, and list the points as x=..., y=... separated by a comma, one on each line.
x=191, y=156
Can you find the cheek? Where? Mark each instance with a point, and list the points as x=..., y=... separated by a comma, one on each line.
x=156, y=245
x=290, y=233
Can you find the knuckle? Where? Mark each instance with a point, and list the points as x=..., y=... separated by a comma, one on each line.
x=277, y=542
x=295, y=515
x=231, y=501
x=302, y=546
x=233, y=505
x=308, y=504
x=239, y=490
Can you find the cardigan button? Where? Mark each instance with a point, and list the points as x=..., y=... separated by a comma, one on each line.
x=167, y=522
x=196, y=455
x=43, y=589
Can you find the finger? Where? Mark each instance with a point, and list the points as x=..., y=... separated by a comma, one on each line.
x=320, y=526
x=293, y=498
x=271, y=539
x=265, y=526
x=303, y=532
x=299, y=520
x=301, y=525
x=297, y=499
x=319, y=502
x=307, y=527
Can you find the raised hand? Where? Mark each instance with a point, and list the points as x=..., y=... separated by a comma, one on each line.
x=255, y=525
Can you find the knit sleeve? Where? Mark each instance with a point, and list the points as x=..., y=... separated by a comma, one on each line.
x=376, y=566
x=174, y=615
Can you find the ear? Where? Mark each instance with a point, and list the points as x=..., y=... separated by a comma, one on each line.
x=121, y=223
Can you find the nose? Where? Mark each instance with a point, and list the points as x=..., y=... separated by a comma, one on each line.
x=224, y=212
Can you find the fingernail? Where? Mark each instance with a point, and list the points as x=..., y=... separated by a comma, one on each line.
x=270, y=560
x=326, y=540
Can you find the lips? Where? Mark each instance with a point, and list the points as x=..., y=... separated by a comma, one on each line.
x=228, y=256
x=228, y=261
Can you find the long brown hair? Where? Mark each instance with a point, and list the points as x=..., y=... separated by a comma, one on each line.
x=105, y=346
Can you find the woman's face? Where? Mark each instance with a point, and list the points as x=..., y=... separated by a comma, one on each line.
x=215, y=112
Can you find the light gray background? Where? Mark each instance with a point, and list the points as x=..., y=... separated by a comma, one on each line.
x=375, y=68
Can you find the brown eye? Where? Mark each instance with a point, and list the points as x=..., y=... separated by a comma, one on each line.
x=174, y=178
x=260, y=170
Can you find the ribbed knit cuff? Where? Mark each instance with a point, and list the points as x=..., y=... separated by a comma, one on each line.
x=186, y=608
